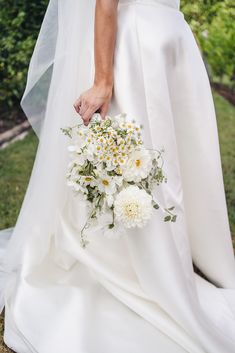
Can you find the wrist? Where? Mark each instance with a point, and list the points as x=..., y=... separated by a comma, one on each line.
x=105, y=83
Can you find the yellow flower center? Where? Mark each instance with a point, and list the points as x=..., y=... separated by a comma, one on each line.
x=118, y=171
x=88, y=179
x=105, y=182
x=137, y=162
x=131, y=210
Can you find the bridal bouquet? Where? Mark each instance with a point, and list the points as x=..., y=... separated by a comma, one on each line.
x=115, y=173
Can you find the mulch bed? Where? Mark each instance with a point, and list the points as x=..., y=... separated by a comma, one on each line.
x=224, y=91
x=8, y=121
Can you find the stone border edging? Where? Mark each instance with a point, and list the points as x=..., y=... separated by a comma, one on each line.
x=9, y=135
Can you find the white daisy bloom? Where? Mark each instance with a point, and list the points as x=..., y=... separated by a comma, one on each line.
x=79, y=159
x=138, y=165
x=118, y=179
x=102, y=140
x=106, y=183
x=133, y=207
x=90, y=151
x=120, y=118
x=80, y=140
x=88, y=180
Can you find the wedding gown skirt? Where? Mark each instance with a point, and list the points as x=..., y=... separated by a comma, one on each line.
x=140, y=293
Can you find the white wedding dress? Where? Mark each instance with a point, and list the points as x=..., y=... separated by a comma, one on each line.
x=138, y=294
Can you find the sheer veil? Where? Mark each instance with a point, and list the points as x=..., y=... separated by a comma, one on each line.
x=66, y=36
x=48, y=51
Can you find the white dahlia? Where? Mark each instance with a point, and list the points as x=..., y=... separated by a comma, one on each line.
x=138, y=165
x=133, y=207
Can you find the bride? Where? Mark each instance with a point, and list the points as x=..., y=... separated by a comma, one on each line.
x=139, y=293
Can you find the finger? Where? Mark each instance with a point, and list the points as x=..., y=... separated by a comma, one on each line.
x=83, y=107
x=88, y=114
x=104, y=110
x=77, y=105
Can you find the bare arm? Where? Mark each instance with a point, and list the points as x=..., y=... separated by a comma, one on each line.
x=99, y=95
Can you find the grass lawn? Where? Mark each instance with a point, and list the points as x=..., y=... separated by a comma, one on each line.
x=15, y=167
x=17, y=159
x=226, y=126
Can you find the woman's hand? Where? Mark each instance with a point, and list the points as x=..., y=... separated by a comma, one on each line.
x=99, y=95
x=96, y=98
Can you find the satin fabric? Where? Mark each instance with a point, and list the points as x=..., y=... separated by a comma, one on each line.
x=140, y=293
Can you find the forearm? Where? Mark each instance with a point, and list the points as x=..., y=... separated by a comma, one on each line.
x=105, y=37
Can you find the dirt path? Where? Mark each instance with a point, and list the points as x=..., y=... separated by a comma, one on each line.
x=3, y=347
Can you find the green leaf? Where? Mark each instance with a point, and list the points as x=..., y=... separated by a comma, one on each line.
x=156, y=206
x=167, y=218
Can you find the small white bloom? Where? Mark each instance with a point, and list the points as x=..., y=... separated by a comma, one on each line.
x=119, y=120
x=138, y=165
x=79, y=159
x=118, y=179
x=133, y=207
x=87, y=180
x=109, y=199
x=106, y=183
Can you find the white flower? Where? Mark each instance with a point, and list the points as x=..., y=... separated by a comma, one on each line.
x=106, y=183
x=87, y=180
x=77, y=187
x=109, y=199
x=103, y=223
x=133, y=207
x=118, y=120
x=79, y=159
x=138, y=165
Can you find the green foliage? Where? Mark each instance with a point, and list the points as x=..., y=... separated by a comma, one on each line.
x=226, y=127
x=14, y=176
x=213, y=22
x=219, y=46
x=19, y=25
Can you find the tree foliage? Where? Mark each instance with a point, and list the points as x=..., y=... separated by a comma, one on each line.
x=19, y=25
x=213, y=22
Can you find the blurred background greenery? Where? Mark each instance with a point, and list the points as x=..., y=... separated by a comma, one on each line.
x=213, y=23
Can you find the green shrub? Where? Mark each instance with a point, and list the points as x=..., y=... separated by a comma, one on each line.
x=19, y=25
x=213, y=22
